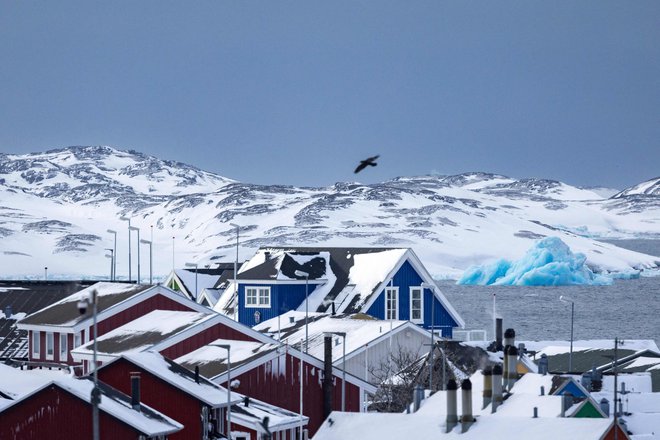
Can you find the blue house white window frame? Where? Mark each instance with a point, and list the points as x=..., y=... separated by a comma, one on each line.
x=417, y=295
x=391, y=303
x=257, y=297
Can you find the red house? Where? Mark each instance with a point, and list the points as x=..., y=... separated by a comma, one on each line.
x=60, y=409
x=57, y=329
x=261, y=367
x=189, y=398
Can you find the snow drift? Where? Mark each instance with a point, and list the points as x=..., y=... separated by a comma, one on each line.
x=550, y=262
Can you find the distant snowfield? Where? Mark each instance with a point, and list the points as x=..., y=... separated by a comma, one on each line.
x=56, y=208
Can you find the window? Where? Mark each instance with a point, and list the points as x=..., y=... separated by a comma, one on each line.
x=36, y=345
x=392, y=303
x=257, y=297
x=50, y=346
x=417, y=304
x=77, y=340
x=64, y=352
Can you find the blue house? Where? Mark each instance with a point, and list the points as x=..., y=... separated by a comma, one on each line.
x=386, y=283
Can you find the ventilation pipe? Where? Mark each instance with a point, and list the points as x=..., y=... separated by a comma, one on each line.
x=497, y=387
x=452, y=413
x=467, y=419
x=510, y=337
x=488, y=386
x=135, y=390
x=334, y=312
x=536, y=413
x=505, y=368
x=605, y=406
x=566, y=403
x=196, y=373
x=585, y=380
x=418, y=396
x=542, y=390
x=543, y=364
x=512, y=364
x=327, y=376
x=498, y=334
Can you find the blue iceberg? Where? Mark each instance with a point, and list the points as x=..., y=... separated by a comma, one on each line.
x=549, y=263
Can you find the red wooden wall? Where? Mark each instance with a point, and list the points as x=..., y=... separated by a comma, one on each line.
x=218, y=331
x=55, y=414
x=159, y=395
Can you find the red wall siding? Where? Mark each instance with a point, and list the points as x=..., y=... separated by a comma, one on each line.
x=156, y=302
x=218, y=331
x=277, y=382
x=56, y=414
x=159, y=395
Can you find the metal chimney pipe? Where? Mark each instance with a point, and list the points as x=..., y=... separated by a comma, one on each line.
x=605, y=406
x=327, y=376
x=512, y=364
x=497, y=387
x=498, y=334
x=418, y=395
x=452, y=413
x=505, y=368
x=196, y=373
x=135, y=390
x=536, y=413
x=467, y=419
x=566, y=402
x=543, y=364
x=542, y=390
x=510, y=337
x=488, y=386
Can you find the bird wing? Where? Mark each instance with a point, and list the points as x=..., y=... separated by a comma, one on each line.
x=363, y=165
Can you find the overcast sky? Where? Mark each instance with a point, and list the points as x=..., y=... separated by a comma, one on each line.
x=297, y=92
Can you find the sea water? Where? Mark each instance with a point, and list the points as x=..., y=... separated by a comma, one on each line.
x=627, y=309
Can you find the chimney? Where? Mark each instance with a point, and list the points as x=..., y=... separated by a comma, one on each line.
x=536, y=413
x=498, y=334
x=512, y=364
x=566, y=402
x=488, y=386
x=196, y=373
x=334, y=312
x=452, y=413
x=605, y=406
x=510, y=337
x=543, y=364
x=542, y=390
x=292, y=319
x=8, y=311
x=327, y=376
x=585, y=380
x=266, y=255
x=246, y=401
x=135, y=390
x=497, y=387
x=418, y=396
x=467, y=419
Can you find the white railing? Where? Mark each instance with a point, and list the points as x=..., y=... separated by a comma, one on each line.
x=469, y=335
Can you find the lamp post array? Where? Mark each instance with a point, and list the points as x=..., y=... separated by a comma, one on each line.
x=126, y=219
x=112, y=259
x=135, y=228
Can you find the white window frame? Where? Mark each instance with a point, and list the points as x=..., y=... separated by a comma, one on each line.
x=388, y=310
x=64, y=347
x=77, y=339
x=419, y=289
x=36, y=344
x=260, y=302
x=50, y=345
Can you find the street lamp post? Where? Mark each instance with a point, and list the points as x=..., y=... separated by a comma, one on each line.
x=195, y=266
x=135, y=228
x=343, y=367
x=126, y=219
x=300, y=273
x=570, y=356
x=96, y=393
x=114, y=255
x=112, y=258
x=432, y=288
x=236, y=260
x=151, y=267
x=228, y=348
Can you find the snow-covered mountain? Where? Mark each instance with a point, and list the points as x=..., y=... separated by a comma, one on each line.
x=56, y=208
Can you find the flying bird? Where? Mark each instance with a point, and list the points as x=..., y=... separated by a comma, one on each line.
x=367, y=162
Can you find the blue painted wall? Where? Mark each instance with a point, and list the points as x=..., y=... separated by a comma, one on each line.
x=405, y=278
x=283, y=297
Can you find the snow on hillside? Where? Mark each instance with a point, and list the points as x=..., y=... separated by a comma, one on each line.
x=56, y=208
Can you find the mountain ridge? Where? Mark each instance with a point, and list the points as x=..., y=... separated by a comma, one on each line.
x=63, y=200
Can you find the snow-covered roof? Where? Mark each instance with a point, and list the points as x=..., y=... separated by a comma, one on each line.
x=22, y=384
x=212, y=358
x=182, y=378
x=251, y=412
x=142, y=333
x=360, y=330
x=190, y=279
x=65, y=312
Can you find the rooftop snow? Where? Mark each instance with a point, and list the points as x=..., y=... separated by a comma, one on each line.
x=253, y=411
